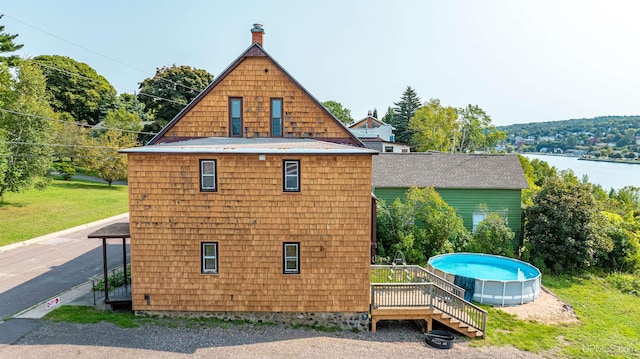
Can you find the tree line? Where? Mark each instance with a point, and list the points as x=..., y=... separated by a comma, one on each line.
x=58, y=113
x=432, y=126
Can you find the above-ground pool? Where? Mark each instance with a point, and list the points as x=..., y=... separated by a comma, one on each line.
x=498, y=280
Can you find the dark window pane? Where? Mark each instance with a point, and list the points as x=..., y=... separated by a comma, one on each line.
x=290, y=251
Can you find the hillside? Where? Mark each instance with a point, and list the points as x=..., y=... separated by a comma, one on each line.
x=612, y=137
x=597, y=126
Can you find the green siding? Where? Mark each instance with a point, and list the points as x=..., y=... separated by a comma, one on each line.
x=467, y=201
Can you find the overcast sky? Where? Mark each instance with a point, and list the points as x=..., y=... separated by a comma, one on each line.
x=521, y=61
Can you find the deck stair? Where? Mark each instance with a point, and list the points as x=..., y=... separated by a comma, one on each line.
x=412, y=293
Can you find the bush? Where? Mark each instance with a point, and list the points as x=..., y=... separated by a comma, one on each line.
x=65, y=169
x=565, y=226
x=422, y=226
x=492, y=236
x=115, y=280
x=625, y=255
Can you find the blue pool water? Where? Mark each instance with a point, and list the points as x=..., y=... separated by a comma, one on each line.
x=498, y=280
x=485, y=267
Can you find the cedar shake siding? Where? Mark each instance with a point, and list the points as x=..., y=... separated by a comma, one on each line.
x=249, y=217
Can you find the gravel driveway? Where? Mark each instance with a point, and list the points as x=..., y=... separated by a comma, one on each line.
x=105, y=340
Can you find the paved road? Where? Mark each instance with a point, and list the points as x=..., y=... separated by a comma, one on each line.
x=41, y=269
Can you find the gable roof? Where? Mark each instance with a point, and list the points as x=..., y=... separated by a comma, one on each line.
x=448, y=170
x=366, y=118
x=255, y=50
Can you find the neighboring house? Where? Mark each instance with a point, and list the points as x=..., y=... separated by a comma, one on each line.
x=467, y=182
x=377, y=135
x=254, y=202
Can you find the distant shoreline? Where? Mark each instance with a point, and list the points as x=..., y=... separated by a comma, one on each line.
x=582, y=158
x=625, y=161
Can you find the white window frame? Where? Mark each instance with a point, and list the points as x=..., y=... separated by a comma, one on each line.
x=286, y=176
x=296, y=258
x=474, y=218
x=213, y=175
x=204, y=257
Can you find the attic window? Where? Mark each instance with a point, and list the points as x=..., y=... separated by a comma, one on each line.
x=235, y=116
x=276, y=117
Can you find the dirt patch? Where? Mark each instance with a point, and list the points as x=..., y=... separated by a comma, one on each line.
x=547, y=309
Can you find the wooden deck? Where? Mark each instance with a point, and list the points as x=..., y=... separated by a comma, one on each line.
x=424, y=303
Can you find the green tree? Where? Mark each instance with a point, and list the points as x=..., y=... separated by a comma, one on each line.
x=170, y=90
x=102, y=157
x=342, y=113
x=564, y=226
x=375, y=113
x=493, y=236
x=25, y=154
x=7, y=46
x=122, y=119
x=403, y=112
x=434, y=127
x=388, y=116
x=421, y=226
x=624, y=233
x=76, y=88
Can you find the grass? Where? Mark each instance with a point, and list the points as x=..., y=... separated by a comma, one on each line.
x=64, y=204
x=608, y=328
x=88, y=315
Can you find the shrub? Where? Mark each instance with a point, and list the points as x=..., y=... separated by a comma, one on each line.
x=493, y=236
x=65, y=169
x=422, y=226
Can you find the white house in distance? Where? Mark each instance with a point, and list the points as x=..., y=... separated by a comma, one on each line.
x=377, y=135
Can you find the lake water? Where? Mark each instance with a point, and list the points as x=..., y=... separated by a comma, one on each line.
x=607, y=174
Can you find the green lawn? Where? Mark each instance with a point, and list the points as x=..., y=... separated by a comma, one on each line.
x=64, y=204
x=609, y=324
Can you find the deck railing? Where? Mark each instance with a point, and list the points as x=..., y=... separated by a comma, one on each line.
x=411, y=274
x=414, y=286
x=429, y=295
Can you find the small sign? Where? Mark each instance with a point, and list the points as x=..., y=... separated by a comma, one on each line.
x=53, y=302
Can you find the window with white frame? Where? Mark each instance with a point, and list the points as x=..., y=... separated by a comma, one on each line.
x=291, y=176
x=209, y=254
x=477, y=218
x=291, y=258
x=208, y=179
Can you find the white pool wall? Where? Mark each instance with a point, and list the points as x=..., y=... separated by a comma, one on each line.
x=498, y=292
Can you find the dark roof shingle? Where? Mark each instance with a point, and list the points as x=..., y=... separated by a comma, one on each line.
x=448, y=170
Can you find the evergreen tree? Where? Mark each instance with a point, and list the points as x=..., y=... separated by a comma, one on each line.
x=7, y=45
x=388, y=117
x=375, y=113
x=403, y=111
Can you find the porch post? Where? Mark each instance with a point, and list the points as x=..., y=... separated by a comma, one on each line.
x=104, y=268
x=124, y=260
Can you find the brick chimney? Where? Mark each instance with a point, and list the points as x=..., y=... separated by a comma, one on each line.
x=257, y=33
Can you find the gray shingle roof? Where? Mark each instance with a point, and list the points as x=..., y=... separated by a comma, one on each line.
x=243, y=145
x=447, y=170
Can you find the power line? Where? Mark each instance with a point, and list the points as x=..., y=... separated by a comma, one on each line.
x=75, y=123
x=91, y=79
x=51, y=145
x=99, y=54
